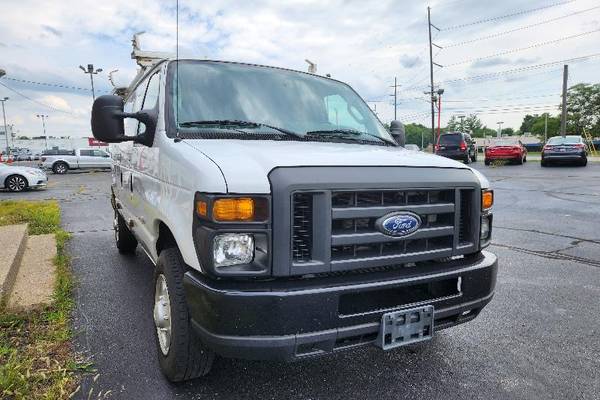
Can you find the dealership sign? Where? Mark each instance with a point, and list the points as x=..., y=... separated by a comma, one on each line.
x=94, y=142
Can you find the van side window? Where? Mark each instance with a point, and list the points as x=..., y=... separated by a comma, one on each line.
x=152, y=92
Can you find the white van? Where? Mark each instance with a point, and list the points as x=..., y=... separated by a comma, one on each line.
x=284, y=220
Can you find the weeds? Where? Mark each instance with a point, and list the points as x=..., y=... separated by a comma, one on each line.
x=36, y=357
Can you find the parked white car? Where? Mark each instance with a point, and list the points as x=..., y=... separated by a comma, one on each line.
x=284, y=220
x=82, y=159
x=17, y=179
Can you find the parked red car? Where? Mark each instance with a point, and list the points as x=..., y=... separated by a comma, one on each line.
x=506, y=148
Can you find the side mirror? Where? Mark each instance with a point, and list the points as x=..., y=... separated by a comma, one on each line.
x=397, y=131
x=107, y=121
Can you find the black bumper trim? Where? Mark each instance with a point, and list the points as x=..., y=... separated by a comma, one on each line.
x=288, y=324
x=296, y=346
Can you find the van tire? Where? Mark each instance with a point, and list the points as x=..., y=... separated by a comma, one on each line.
x=187, y=357
x=126, y=242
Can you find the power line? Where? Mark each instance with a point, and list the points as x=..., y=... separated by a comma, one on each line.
x=495, y=35
x=522, y=48
x=58, y=85
x=33, y=100
x=502, y=98
x=526, y=68
x=522, y=12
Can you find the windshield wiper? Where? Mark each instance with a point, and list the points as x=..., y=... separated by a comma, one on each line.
x=224, y=123
x=345, y=133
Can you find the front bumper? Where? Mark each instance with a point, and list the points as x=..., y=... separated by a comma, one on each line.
x=306, y=317
x=38, y=182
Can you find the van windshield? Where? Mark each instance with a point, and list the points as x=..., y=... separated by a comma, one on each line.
x=250, y=99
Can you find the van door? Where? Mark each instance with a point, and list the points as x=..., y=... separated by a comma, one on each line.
x=145, y=187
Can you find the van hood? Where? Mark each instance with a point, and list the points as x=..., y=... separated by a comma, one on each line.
x=246, y=164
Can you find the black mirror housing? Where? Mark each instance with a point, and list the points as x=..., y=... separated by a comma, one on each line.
x=397, y=131
x=107, y=120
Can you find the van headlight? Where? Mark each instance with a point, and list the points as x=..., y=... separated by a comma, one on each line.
x=233, y=249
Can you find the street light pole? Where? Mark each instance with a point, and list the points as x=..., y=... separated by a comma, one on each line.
x=43, y=117
x=499, y=128
x=90, y=70
x=5, y=128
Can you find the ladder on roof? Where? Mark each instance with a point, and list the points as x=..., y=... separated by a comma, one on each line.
x=590, y=143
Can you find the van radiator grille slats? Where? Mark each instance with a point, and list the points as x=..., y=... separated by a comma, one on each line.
x=302, y=225
x=355, y=241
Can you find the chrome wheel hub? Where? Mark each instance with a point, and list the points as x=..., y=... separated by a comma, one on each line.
x=16, y=183
x=162, y=314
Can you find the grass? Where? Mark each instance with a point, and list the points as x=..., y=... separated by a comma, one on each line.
x=36, y=356
x=42, y=216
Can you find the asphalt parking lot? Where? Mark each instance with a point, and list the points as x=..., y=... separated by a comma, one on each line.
x=537, y=339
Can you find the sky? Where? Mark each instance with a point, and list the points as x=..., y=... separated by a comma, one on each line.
x=365, y=43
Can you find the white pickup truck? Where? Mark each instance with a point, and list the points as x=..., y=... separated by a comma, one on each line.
x=284, y=221
x=80, y=159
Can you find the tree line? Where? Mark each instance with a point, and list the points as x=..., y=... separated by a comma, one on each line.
x=583, y=113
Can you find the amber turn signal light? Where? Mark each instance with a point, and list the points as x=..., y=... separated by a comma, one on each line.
x=487, y=199
x=233, y=209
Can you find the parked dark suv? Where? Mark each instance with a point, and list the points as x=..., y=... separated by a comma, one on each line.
x=458, y=146
x=570, y=148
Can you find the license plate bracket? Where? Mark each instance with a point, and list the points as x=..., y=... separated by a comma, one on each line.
x=400, y=328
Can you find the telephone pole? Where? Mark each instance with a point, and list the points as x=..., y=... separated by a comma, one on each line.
x=431, y=63
x=563, y=120
x=462, y=118
x=43, y=117
x=499, y=128
x=395, y=86
x=545, y=127
x=3, y=100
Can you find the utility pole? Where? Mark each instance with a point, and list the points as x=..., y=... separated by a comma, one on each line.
x=563, y=120
x=5, y=128
x=462, y=124
x=545, y=127
x=499, y=128
x=439, y=92
x=431, y=63
x=395, y=86
x=90, y=70
x=43, y=117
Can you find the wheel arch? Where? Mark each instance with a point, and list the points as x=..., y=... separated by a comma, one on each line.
x=15, y=174
x=165, y=238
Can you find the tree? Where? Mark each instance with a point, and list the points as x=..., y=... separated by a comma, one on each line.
x=527, y=123
x=583, y=108
x=535, y=124
x=414, y=133
x=508, y=132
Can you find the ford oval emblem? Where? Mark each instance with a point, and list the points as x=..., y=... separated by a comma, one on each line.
x=399, y=224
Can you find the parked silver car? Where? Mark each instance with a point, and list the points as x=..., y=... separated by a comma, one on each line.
x=17, y=179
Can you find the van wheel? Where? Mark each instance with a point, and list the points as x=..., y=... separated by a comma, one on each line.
x=486, y=162
x=60, y=168
x=467, y=159
x=181, y=355
x=583, y=162
x=544, y=163
x=126, y=242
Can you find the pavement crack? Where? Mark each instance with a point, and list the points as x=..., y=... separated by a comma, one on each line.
x=553, y=255
x=577, y=239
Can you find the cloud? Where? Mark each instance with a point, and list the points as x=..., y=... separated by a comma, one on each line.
x=52, y=30
x=410, y=61
x=491, y=62
x=366, y=44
